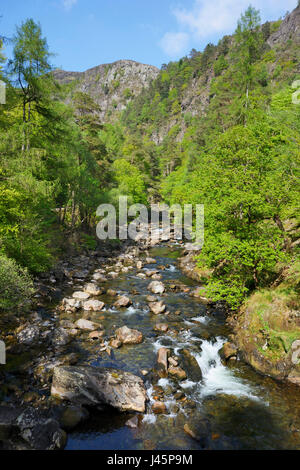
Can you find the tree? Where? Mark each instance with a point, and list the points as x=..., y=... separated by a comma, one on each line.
x=248, y=47
x=30, y=62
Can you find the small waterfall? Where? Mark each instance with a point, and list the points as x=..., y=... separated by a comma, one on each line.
x=216, y=377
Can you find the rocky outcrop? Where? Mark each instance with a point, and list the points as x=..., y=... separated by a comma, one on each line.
x=112, y=86
x=95, y=386
x=288, y=30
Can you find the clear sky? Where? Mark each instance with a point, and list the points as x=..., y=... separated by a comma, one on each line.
x=85, y=33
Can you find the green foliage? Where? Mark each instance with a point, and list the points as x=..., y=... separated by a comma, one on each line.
x=130, y=182
x=15, y=284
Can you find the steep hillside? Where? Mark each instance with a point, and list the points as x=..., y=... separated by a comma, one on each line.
x=112, y=86
x=185, y=89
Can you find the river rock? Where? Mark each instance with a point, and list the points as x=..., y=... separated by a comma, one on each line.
x=150, y=260
x=29, y=335
x=93, y=305
x=157, y=307
x=162, y=358
x=129, y=336
x=96, y=335
x=151, y=272
x=132, y=422
x=61, y=337
x=71, y=304
x=159, y=407
x=39, y=431
x=139, y=264
x=115, y=343
x=191, y=366
x=80, y=295
x=93, y=289
x=99, y=277
x=228, y=351
x=111, y=292
x=163, y=327
x=177, y=372
x=90, y=386
x=156, y=287
x=84, y=324
x=113, y=274
x=156, y=277
x=123, y=302
x=173, y=361
x=141, y=275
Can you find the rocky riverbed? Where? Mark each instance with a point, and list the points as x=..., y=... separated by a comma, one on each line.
x=123, y=351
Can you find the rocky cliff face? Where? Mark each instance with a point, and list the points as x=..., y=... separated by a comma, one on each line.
x=288, y=30
x=112, y=86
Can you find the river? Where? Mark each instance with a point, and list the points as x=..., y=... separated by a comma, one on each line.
x=232, y=406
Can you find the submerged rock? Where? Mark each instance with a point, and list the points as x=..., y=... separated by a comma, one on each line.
x=84, y=324
x=95, y=386
x=159, y=407
x=72, y=416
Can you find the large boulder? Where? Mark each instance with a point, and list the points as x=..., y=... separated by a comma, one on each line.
x=90, y=386
x=156, y=287
x=129, y=336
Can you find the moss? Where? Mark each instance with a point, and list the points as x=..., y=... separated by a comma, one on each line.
x=267, y=325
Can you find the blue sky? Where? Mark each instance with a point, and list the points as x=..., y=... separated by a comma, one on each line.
x=85, y=33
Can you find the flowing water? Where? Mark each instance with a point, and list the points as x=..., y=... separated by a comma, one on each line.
x=232, y=406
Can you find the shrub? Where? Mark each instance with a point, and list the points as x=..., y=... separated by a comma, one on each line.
x=15, y=284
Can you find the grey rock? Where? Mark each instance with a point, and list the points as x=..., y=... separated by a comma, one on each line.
x=95, y=386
